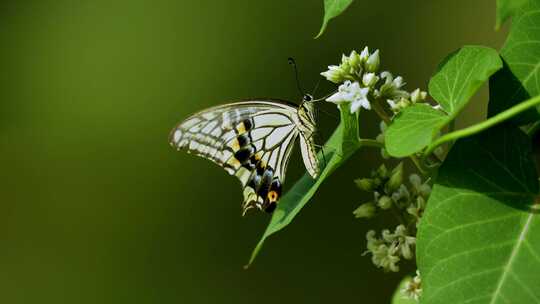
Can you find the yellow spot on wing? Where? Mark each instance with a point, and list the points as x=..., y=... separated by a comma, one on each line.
x=234, y=162
x=241, y=128
x=272, y=196
x=235, y=145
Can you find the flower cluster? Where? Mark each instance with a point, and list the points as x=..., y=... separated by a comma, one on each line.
x=353, y=67
x=407, y=204
x=388, y=250
x=413, y=288
x=384, y=184
x=362, y=84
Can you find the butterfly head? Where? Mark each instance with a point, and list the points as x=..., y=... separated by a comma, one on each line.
x=307, y=113
x=307, y=98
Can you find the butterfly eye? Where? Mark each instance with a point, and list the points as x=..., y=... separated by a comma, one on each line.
x=307, y=98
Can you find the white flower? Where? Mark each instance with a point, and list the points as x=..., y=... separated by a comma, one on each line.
x=369, y=79
x=398, y=82
x=393, y=105
x=334, y=73
x=402, y=194
x=391, y=88
x=353, y=93
x=418, y=96
x=413, y=288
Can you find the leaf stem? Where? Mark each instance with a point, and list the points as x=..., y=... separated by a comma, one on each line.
x=377, y=107
x=485, y=124
x=370, y=143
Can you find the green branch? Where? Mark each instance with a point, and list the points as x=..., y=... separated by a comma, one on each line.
x=370, y=143
x=485, y=124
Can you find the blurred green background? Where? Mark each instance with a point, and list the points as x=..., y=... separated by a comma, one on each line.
x=97, y=208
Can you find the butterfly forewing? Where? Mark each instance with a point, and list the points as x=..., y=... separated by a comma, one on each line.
x=252, y=140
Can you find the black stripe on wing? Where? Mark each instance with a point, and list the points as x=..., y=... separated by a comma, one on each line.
x=250, y=140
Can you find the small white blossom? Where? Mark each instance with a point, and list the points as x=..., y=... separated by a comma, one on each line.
x=418, y=96
x=405, y=242
x=392, y=104
x=385, y=258
x=402, y=194
x=398, y=82
x=354, y=94
x=369, y=79
x=334, y=74
x=437, y=107
x=413, y=288
x=391, y=88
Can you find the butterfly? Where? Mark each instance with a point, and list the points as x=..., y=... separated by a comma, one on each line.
x=253, y=140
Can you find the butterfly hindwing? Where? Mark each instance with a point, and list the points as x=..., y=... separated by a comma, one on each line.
x=252, y=140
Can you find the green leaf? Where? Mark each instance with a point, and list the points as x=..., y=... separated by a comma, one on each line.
x=342, y=144
x=398, y=297
x=413, y=129
x=458, y=77
x=479, y=238
x=506, y=9
x=520, y=78
x=332, y=8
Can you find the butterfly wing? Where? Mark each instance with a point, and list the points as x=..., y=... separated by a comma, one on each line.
x=252, y=140
x=309, y=155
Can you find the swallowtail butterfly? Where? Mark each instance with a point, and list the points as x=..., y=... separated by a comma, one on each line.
x=252, y=140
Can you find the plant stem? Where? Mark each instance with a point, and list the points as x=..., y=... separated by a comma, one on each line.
x=485, y=124
x=377, y=107
x=370, y=143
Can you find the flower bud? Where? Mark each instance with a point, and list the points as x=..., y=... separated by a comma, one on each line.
x=366, y=210
x=396, y=179
x=415, y=180
x=334, y=74
x=418, y=96
x=372, y=63
x=365, y=184
x=424, y=190
x=398, y=82
x=354, y=59
x=385, y=202
x=365, y=54
x=382, y=171
x=369, y=79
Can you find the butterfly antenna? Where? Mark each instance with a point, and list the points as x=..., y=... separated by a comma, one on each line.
x=324, y=97
x=293, y=63
x=316, y=86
